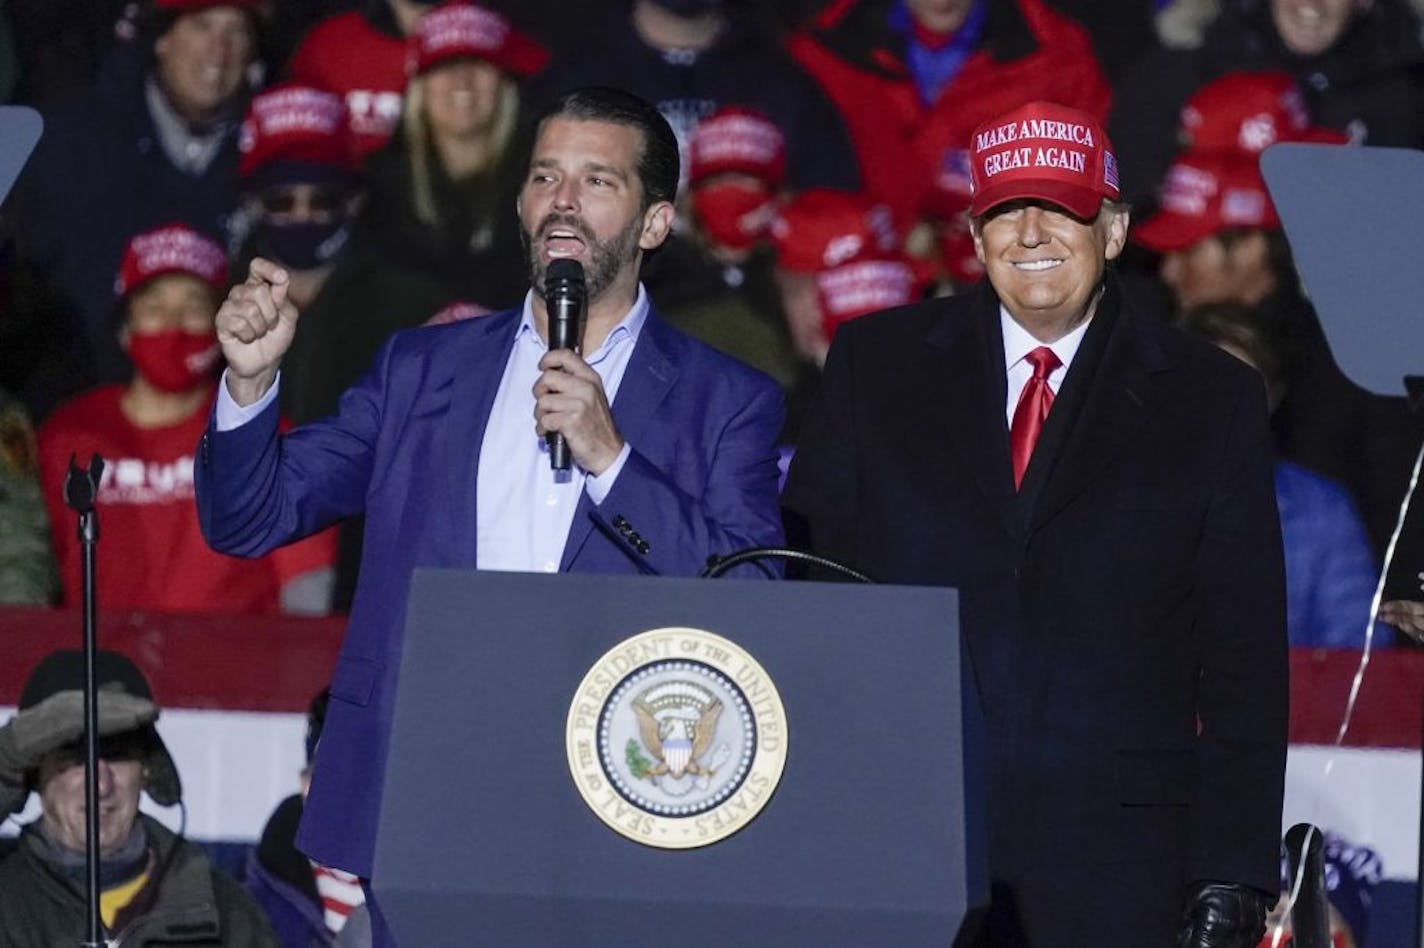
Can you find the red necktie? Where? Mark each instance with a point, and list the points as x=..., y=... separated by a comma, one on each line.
x=1034, y=403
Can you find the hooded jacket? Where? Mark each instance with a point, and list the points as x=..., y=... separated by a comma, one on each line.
x=195, y=904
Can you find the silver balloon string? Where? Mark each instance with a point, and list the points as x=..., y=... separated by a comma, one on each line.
x=1375, y=602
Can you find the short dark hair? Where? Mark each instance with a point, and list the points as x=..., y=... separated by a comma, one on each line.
x=659, y=161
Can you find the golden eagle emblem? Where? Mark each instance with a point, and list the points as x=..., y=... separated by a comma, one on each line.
x=677, y=721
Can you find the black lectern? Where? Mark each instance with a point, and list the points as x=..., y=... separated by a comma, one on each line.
x=485, y=838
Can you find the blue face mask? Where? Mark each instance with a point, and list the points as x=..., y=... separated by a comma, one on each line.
x=304, y=245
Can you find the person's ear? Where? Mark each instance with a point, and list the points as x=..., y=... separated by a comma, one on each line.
x=1117, y=221
x=657, y=224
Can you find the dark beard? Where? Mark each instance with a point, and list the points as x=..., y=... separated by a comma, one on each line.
x=607, y=256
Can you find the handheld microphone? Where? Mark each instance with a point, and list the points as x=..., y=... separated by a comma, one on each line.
x=565, y=297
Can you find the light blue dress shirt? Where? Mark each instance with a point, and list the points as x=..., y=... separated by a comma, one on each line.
x=525, y=511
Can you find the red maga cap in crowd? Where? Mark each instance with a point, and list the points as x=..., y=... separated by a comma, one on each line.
x=866, y=286
x=947, y=205
x=1250, y=111
x=850, y=245
x=1206, y=193
x=174, y=248
x=739, y=140
x=295, y=124
x=821, y=229
x=465, y=31
x=953, y=188
x=1045, y=151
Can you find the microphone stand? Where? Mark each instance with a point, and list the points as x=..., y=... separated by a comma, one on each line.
x=718, y=565
x=1310, y=915
x=1414, y=398
x=81, y=489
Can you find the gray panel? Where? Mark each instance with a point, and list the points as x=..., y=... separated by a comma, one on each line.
x=20, y=129
x=1350, y=215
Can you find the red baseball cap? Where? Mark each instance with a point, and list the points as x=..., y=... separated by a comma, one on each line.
x=736, y=139
x=1250, y=111
x=1205, y=193
x=821, y=229
x=854, y=289
x=952, y=190
x=462, y=30
x=947, y=206
x=1046, y=151
x=174, y=248
x=292, y=124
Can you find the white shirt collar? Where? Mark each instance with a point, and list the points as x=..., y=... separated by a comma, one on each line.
x=1019, y=342
x=629, y=327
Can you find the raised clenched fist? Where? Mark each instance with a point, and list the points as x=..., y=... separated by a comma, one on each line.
x=255, y=325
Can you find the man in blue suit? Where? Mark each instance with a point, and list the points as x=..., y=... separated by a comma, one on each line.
x=442, y=445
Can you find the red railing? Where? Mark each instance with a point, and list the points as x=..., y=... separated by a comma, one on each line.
x=277, y=664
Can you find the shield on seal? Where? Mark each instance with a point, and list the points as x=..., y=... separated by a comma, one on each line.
x=677, y=754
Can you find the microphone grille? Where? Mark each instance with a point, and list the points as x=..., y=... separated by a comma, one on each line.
x=563, y=270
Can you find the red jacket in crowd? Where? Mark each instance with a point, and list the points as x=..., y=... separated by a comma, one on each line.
x=1026, y=52
x=151, y=553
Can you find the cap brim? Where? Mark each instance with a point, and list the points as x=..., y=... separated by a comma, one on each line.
x=1083, y=203
x=1165, y=232
x=218, y=287
x=118, y=712
x=160, y=781
x=520, y=57
x=282, y=172
x=763, y=174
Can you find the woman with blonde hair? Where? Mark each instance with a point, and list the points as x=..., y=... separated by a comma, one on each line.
x=443, y=189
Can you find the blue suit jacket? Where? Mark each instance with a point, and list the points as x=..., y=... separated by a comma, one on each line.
x=404, y=449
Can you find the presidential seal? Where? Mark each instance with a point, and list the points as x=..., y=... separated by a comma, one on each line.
x=676, y=738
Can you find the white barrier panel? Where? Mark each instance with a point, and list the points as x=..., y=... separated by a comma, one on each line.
x=237, y=766
x=1370, y=797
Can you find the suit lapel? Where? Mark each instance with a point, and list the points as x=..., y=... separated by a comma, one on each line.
x=649, y=377
x=476, y=363
x=1112, y=398
x=972, y=366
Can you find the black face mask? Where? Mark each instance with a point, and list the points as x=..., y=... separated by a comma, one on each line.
x=690, y=8
x=306, y=245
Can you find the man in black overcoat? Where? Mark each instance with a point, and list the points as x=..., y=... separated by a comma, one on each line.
x=1099, y=488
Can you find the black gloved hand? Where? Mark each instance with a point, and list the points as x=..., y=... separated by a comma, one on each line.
x=1223, y=915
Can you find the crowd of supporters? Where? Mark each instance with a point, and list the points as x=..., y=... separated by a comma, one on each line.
x=375, y=149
